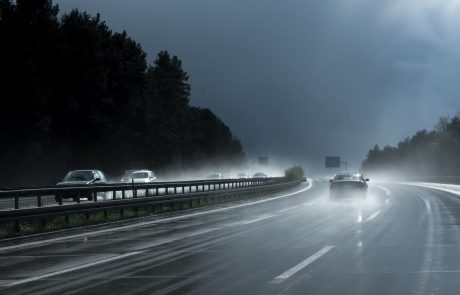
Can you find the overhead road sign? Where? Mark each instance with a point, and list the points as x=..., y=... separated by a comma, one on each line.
x=332, y=162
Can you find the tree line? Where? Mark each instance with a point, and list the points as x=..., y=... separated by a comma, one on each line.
x=77, y=95
x=427, y=153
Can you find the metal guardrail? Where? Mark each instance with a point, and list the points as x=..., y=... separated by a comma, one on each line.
x=35, y=198
x=189, y=193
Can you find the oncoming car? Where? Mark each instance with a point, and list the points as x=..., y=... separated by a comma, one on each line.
x=215, y=176
x=348, y=185
x=243, y=175
x=127, y=176
x=142, y=176
x=80, y=178
x=260, y=175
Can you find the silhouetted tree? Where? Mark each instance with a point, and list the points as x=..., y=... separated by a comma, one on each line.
x=76, y=95
x=426, y=153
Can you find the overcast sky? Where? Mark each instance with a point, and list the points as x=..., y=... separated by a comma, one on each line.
x=302, y=79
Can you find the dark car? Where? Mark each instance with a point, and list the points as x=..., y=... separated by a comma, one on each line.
x=348, y=185
x=80, y=178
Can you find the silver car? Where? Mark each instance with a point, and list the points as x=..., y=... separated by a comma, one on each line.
x=214, y=176
x=142, y=176
x=243, y=175
x=260, y=175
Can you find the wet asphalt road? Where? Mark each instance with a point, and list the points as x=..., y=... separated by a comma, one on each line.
x=401, y=240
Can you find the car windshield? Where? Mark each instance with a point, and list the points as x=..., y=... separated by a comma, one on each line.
x=140, y=175
x=79, y=176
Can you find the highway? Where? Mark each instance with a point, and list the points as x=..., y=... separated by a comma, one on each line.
x=402, y=240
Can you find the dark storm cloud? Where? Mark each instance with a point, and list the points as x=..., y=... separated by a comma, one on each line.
x=304, y=79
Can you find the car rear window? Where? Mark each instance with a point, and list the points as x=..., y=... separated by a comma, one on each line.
x=348, y=177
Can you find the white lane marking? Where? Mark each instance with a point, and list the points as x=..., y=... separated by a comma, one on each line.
x=78, y=267
x=373, y=216
x=308, y=204
x=38, y=243
x=427, y=204
x=295, y=269
x=258, y=219
x=249, y=221
x=387, y=191
x=109, y=259
x=287, y=209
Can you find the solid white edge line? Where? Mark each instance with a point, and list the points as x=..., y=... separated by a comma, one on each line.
x=373, y=216
x=87, y=234
x=387, y=191
x=78, y=267
x=295, y=269
x=433, y=187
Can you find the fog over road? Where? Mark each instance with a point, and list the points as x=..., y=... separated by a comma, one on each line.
x=402, y=240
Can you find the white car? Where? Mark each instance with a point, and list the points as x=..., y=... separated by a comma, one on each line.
x=243, y=175
x=142, y=176
x=215, y=176
x=260, y=175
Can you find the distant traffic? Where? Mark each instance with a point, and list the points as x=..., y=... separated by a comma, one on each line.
x=79, y=178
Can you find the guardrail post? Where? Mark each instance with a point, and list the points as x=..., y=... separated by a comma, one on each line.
x=166, y=190
x=146, y=192
x=94, y=196
x=156, y=191
x=39, y=200
x=123, y=194
x=16, y=202
x=114, y=195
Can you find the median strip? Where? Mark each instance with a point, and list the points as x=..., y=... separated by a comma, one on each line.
x=162, y=220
